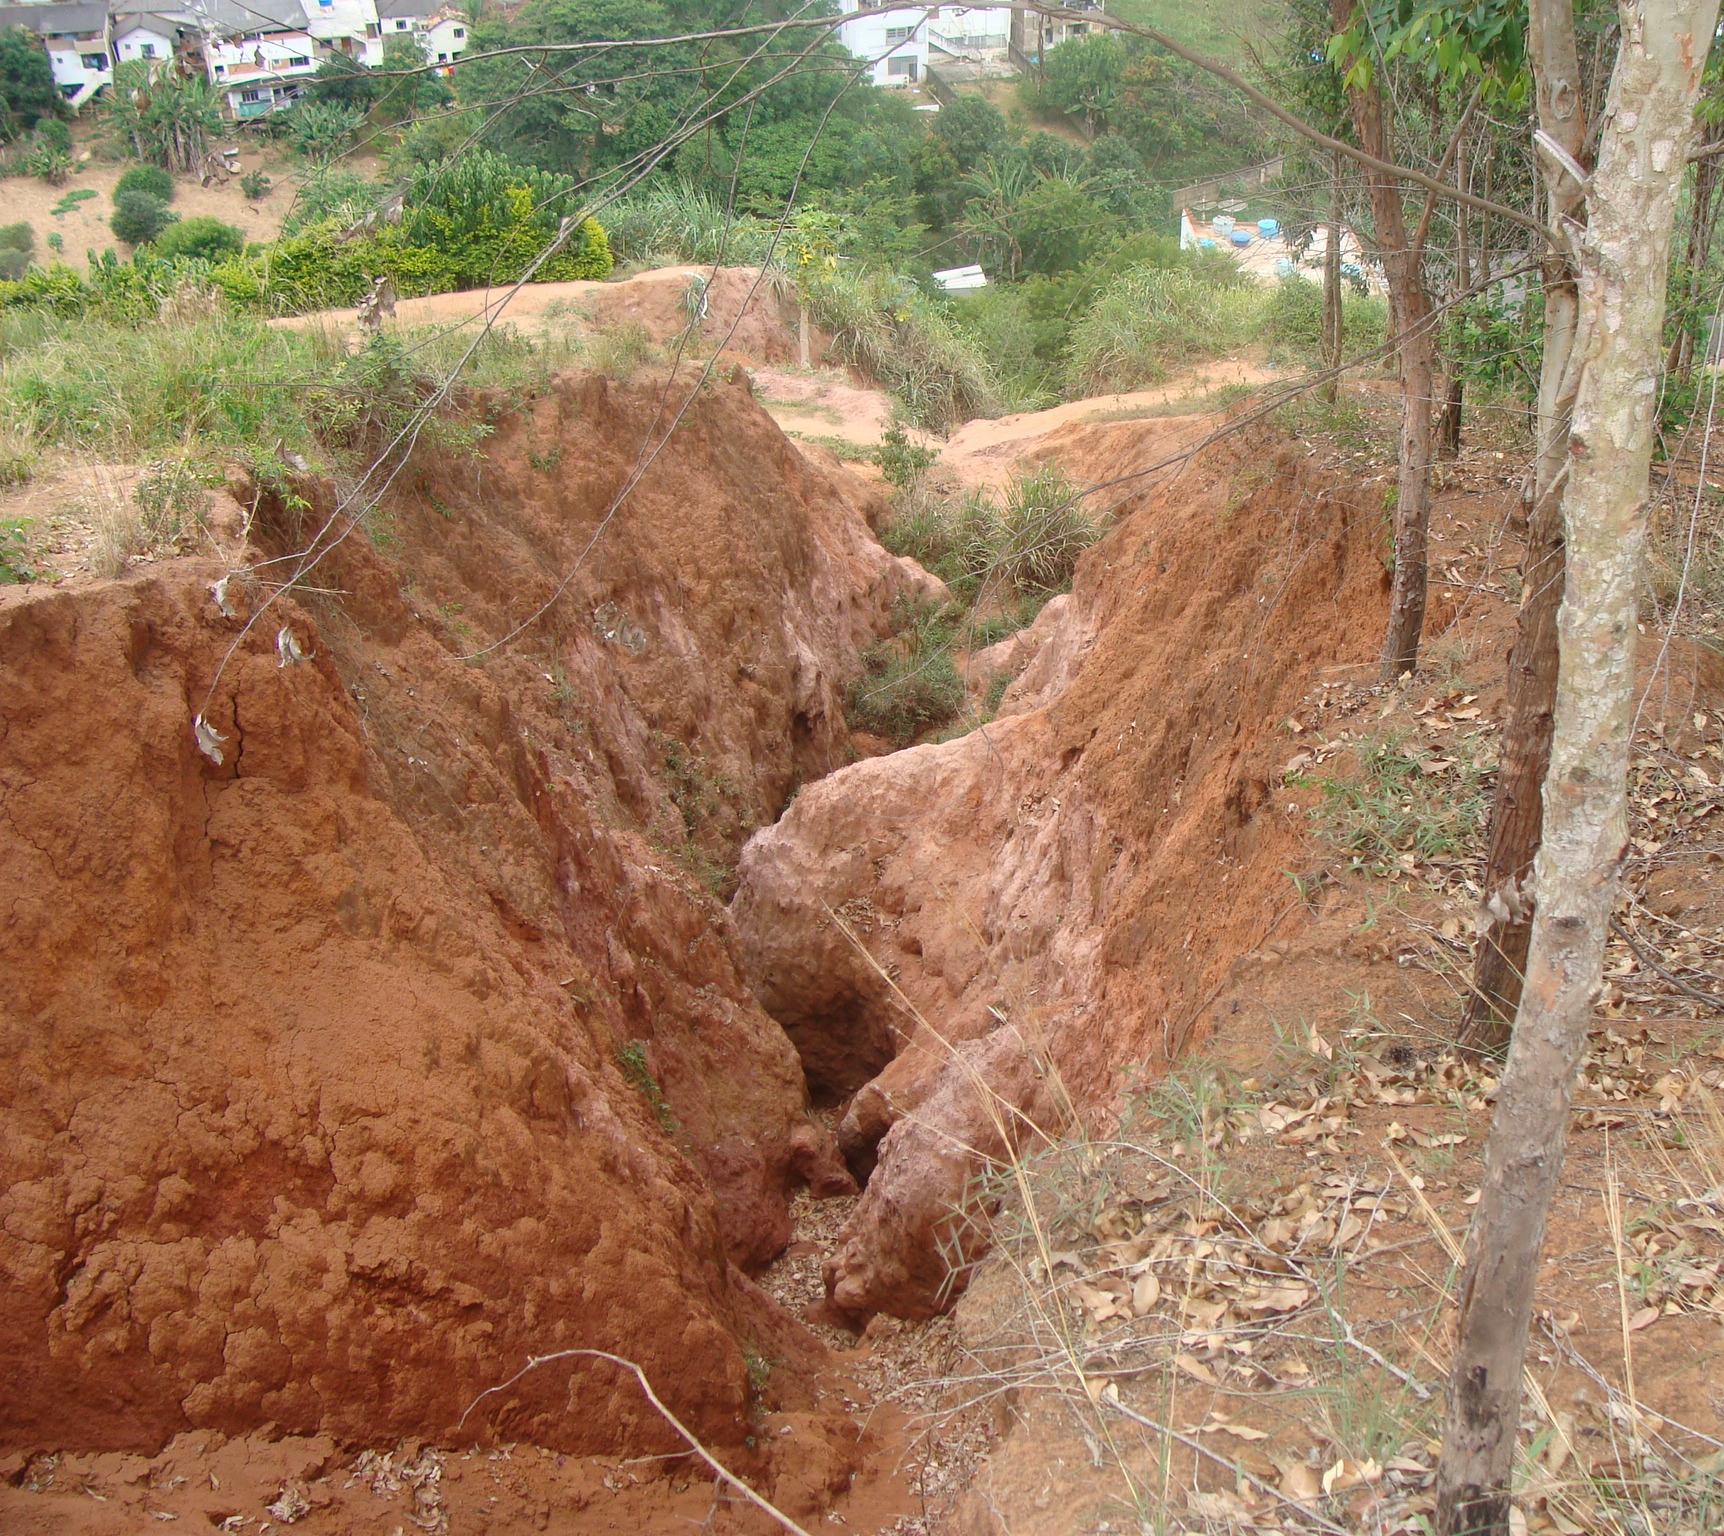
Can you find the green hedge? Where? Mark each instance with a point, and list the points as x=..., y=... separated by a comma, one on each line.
x=313, y=269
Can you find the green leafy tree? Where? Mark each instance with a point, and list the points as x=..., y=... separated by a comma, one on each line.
x=138, y=218
x=201, y=237
x=1082, y=78
x=971, y=128
x=408, y=94
x=344, y=82
x=27, y=90
x=146, y=178
x=166, y=118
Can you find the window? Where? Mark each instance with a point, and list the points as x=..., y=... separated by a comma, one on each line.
x=442, y=58
x=221, y=69
x=900, y=34
x=460, y=32
x=1078, y=28
x=251, y=95
x=95, y=61
x=400, y=26
x=146, y=50
x=299, y=61
x=903, y=67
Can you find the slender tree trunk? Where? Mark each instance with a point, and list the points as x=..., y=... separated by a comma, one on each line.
x=1333, y=325
x=1410, y=317
x=1623, y=270
x=1702, y=221
x=1517, y=816
x=1449, y=424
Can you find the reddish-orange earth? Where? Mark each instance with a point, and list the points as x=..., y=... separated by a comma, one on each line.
x=1018, y=915
x=343, y=1075
x=410, y=1040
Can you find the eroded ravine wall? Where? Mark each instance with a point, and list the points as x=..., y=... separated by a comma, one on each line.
x=340, y=1077
x=1046, y=903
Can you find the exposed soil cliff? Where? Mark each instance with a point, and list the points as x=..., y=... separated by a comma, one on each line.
x=341, y=1077
x=971, y=939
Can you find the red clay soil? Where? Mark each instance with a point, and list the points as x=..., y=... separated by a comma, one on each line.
x=320, y=1105
x=1058, y=895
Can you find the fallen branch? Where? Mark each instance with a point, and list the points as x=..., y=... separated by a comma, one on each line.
x=724, y=1473
x=1710, y=999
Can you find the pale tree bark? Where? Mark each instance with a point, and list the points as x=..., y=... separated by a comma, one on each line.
x=1517, y=814
x=1413, y=330
x=1623, y=269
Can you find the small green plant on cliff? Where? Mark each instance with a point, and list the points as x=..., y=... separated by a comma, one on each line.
x=902, y=461
x=632, y=1058
x=909, y=684
x=14, y=553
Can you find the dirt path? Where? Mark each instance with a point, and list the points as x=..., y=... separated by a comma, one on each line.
x=84, y=227
x=985, y=452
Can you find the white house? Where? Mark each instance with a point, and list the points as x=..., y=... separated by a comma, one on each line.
x=144, y=35
x=893, y=40
x=345, y=26
x=439, y=26
x=77, y=37
x=259, y=54
x=971, y=31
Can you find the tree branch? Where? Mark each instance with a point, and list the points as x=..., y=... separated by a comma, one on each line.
x=670, y=1418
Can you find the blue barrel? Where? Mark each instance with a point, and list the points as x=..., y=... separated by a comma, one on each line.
x=1268, y=228
x=1240, y=237
x=1283, y=266
x=1204, y=243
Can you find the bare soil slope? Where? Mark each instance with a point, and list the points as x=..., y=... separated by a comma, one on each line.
x=1046, y=903
x=340, y=1077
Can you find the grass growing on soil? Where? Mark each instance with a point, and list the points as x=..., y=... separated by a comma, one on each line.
x=1406, y=804
x=1000, y=556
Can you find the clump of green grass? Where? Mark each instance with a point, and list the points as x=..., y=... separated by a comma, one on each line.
x=1150, y=320
x=909, y=346
x=1401, y=804
x=1027, y=541
x=909, y=684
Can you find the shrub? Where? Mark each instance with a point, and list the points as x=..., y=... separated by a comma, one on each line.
x=901, y=460
x=1038, y=532
x=199, y=236
x=14, y=263
x=488, y=218
x=909, y=684
x=138, y=218
x=321, y=129
x=255, y=185
x=1149, y=320
x=17, y=237
x=50, y=164
x=145, y=178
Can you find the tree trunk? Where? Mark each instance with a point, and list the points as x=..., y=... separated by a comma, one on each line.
x=1334, y=334
x=1623, y=269
x=1517, y=815
x=1702, y=220
x=1414, y=331
x=1449, y=424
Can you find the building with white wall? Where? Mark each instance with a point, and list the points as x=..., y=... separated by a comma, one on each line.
x=78, y=37
x=440, y=27
x=971, y=31
x=894, y=41
x=144, y=36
